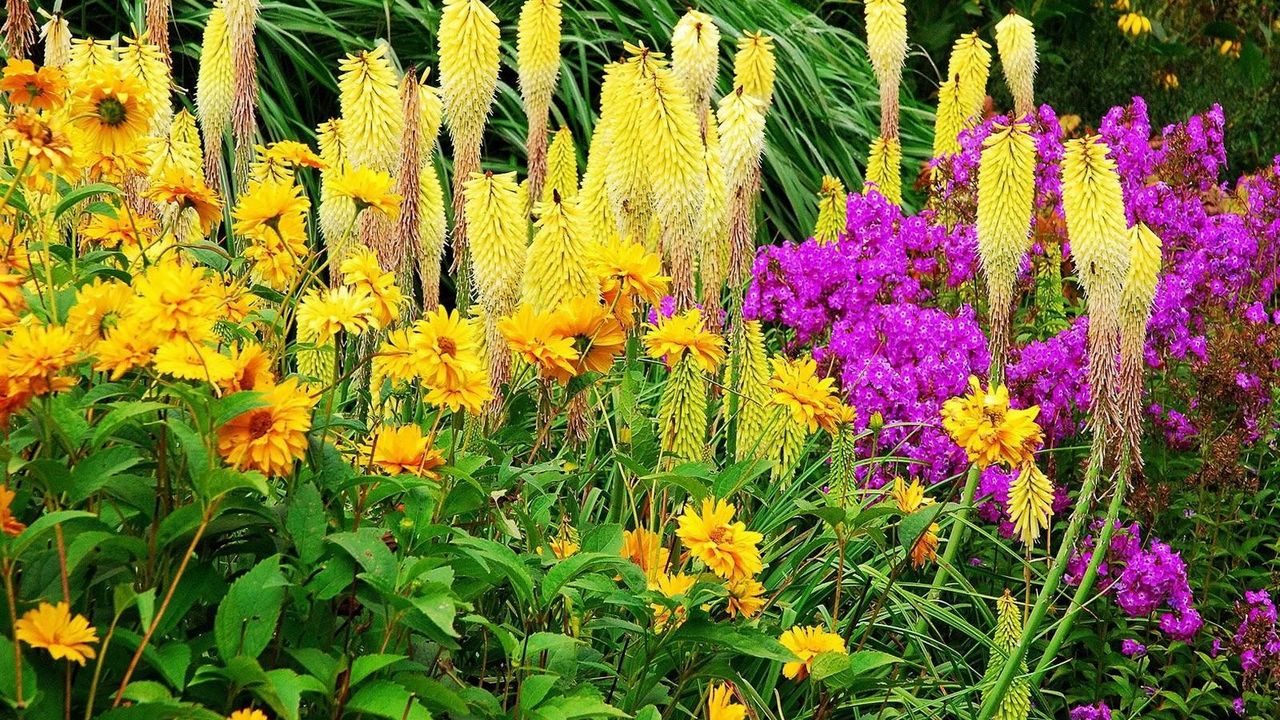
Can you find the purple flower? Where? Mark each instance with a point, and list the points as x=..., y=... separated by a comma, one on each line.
x=1132, y=648
x=1099, y=711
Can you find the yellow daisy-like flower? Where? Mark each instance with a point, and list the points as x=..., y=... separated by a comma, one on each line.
x=188, y=192
x=294, y=153
x=446, y=349
x=909, y=499
x=671, y=586
x=35, y=356
x=811, y=400
x=121, y=231
x=533, y=336
x=37, y=143
x=745, y=597
x=54, y=628
x=807, y=643
x=988, y=429
x=727, y=547
x=111, y=111
x=126, y=346
x=9, y=524
x=272, y=206
x=674, y=336
x=720, y=704
x=174, y=300
x=644, y=548
x=597, y=335
x=325, y=313
x=469, y=392
x=251, y=370
x=97, y=306
x=628, y=272
x=248, y=714
x=182, y=359
x=562, y=547
x=269, y=439
x=367, y=188
x=40, y=89
x=362, y=272
x=405, y=450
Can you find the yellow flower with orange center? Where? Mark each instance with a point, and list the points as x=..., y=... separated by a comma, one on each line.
x=644, y=548
x=725, y=546
x=55, y=629
x=367, y=188
x=597, y=335
x=188, y=192
x=810, y=399
x=35, y=357
x=745, y=597
x=362, y=271
x=294, y=153
x=989, y=431
x=677, y=335
x=97, y=307
x=404, y=450
x=446, y=349
x=272, y=207
x=533, y=336
x=469, y=391
x=807, y=643
x=9, y=524
x=126, y=346
x=909, y=499
x=269, y=439
x=38, y=144
x=250, y=370
x=41, y=89
x=122, y=229
x=628, y=272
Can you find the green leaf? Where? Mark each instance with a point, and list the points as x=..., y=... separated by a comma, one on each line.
x=741, y=640
x=8, y=681
x=370, y=551
x=215, y=483
x=913, y=526
x=573, y=566
x=91, y=473
x=247, y=615
x=841, y=671
x=122, y=413
x=82, y=193
x=488, y=552
x=306, y=522
x=366, y=665
x=387, y=700
x=44, y=524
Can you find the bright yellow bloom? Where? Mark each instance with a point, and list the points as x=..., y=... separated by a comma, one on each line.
x=720, y=704
x=809, y=399
x=909, y=499
x=1006, y=193
x=807, y=643
x=1030, y=503
x=369, y=97
x=989, y=430
x=497, y=228
x=754, y=66
x=745, y=597
x=188, y=192
x=111, y=111
x=470, y=54
x=37, y=143
x=404, y=450
x=695, y=58
x=272, y=208
x=674, y=336
x=644, y=548
x=1134, y=24
x=469, y=392
x=9, y=524
x=597, y=336
x=884, y=168
x=562, y=547
x=362, y=273
x=42, y=89
x=367, y=189
x=294, y=153
x=629, y=273
x=833, y=209
x=727, y=547
x=121, y=231
x=247, y=714
x=886, y=22
x=1016, y=41
x=34, y=357
x=250, y=370
x=269, y=439
x=445, y=348
x=557, y=266
x=130, y=344
x=215, y=83
x=970, y=67
x=182, y=359
x=54, y=628
x=322, y=314
x=534, y=337
x=1093, y=206
x=672, y=587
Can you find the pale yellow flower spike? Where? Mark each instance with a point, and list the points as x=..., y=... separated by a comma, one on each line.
x=886, y=41
x=538, y=63
x=215, y=88
x=56, y=33
x=1006, y=194
x=593, y=196
x=695, y=59
x=337, y=212
x=754, y=67
x=432, y=105
x=370, y=102
x=433, y=227
x=628, y=173
x=145, y=61
x=1016, y=41
x=1030, y=503
x=1135, y=312
x=562, y=167
x=884, y=168
x=1093, y=204
x=748, y=377
x=970, y=65
x=951, y=119
x=242, y=16
x=557, y=268
x=742, y=125
x=713, y=249
x=833, y=205
x=498, y=225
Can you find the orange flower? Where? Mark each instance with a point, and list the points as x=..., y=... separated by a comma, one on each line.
x=405, y=450
x=54, y=628
x=188, y=192
x=42, y=89
x=269, y=439
x=9, y=524
x=597, y=336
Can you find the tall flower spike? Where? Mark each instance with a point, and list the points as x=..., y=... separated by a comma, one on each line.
x=1093, y=203
x=1135, y=312
x=754, y=67
x=884, y=168
x=1016, y=40
x=497, y=222
x=557, y=269
x=1006, y=193
x=242, y=15
x=337, y=213
x=742, y=122
x=469, y=64
x=372, y=113
x=215, y=90
x=695, y=59
x=538, y=63
x=1030, y=503
x=833, y=208
x=19, y=28
x=562, y=167
x=887, y=46
x=951, y=118
x=145, y=62
x=56, y=33
x=747, y=378
x=682, y=414
x=970, y=65
x=713, y=250
x=158, y=12
x=1016, y=702
x=594, y=193
x=408, y=242
x=628, y=174
x=433, y=228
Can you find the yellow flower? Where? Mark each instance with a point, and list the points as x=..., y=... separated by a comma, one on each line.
x=988, y=429
x=807, y=643
x=628, y=272
x=745, y=597
x=9, y=524
x=251, y=370
x=247, y=714
x=185, y=360
x=272, y=205
x=404, y=449
x=41, y=89
x=644, y=548
x=562, y=547
x=534, y=337
x=909, y=499
x=126, y=346
x=720, y=704
x=174, y=300
x=445, y=349
x=727, y=547
x=121, y=231
x=54, y=628
x=325, y=313
x=294, y=153
x=367, y=188
x=269, y=439
x=188, y=192
x=97, y=304
x=111, y=111
x=35, y=356
x=671, y=587
x=678, y=334
x=810, y=400
x=37, y=143
x=1030, y=503
x=362, y=272
x=597, y=336
x=470, y=391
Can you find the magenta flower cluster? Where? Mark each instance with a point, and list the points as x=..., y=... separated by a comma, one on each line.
x=1257, y=640
x=1097, y=711
x=1142, y=579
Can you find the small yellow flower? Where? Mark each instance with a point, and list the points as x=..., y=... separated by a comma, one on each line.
x=1134, y=24
x=272, y=206
x=54, y=628
x=188, y=192
x=325, y=313
x=251, y=370
x=35, y=356
x=1030, y=503
x=562, y=547
x=294, y=153
x=533, y=336
x=988, y=429
x=727, y=547
x=909, y=499
x=122, y=230
x=42, y=89
x=247, y=714
x=37, y=143
x=629, y=273
x=445, y=350
x=362, y=272
x=644, y=548
x=97, y=307
x=180, y=358
x=9, y=524
x=745, y=597
x=405, y=450
x=811, y=400
x=807, y=643
x=469, y=391
x=110, y=111
x=269, y=439
x=720, y=704
x=597, y=336
x=672, y=587
x=367, y=189
x=674, y=336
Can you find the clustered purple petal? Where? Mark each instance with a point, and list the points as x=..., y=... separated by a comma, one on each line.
x=1100, y=711
x=1257, y=642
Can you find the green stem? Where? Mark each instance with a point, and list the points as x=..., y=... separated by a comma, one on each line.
x=1047, y=592
x=959, y=527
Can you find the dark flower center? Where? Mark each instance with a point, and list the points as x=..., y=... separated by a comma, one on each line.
x=112, y=112
x=260, y=424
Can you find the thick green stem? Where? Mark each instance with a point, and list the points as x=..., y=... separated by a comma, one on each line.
x=1100, y=549
x=1012, y=662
